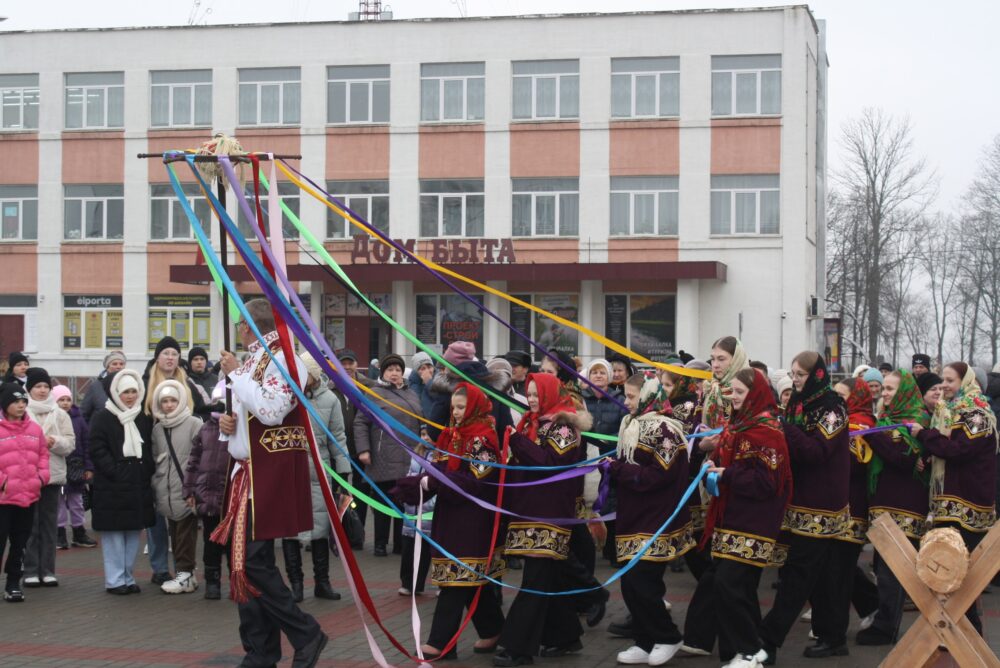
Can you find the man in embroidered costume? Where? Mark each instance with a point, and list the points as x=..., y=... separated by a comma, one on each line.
x=268, y=496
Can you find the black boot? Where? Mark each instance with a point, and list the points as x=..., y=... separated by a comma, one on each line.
x=81, y=539
x=213, y=583
x=321, y=570
x=61, y=543
x=293, y=566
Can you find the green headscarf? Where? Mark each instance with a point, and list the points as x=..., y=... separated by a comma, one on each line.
x=907, y=406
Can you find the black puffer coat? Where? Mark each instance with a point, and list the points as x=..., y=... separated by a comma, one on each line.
x=443, y=385
x=122, y=494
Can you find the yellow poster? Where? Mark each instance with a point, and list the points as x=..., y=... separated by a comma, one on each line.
x=71, y=330
x=94, y=329
x=157, y=327
x=113, y=337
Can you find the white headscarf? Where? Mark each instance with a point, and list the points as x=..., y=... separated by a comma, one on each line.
x=127, y=379
x=652, y=399
x=171, y=388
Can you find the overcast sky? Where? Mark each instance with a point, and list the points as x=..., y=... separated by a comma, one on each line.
x=931, y=61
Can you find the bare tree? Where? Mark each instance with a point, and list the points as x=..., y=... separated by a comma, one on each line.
x=980, y=236
x=886, y=188
x=938, y=254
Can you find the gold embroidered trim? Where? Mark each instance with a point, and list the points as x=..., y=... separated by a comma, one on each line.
x=857, y=530
x=284, y=439
x=698, y=516
x=534, y=539
x=960, y=511
x=816, y=523
x=447, y=573
x=913, y=525
x=746, y=548
x=779, y=556
x=666, y=547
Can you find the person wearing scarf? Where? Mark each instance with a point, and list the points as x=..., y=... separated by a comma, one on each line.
x=121, y=495
x=268, y=440
x=463, y=528
x=817, y=433
x=547, y=435
x=650, y=474
x=40, y=552
x=173, y=439
x=963, y=441
x=728, y=359
x=743, y=524
x=896, y=486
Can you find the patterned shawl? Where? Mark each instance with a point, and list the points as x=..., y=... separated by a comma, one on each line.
x=717, y=398
x=907, y=406
x=477, y=423
x=653, y=405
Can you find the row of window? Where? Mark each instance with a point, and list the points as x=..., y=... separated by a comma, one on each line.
x=639, y=205
x=359, y=94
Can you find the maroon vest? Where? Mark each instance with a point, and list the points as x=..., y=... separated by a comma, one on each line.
x=281, y=493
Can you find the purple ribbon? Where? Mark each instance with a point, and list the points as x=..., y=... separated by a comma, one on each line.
x=875, y=430
x=605, y=487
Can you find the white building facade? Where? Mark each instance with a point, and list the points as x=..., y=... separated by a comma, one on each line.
x=656, y=177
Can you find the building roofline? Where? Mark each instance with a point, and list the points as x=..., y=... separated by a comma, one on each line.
x=443, y=19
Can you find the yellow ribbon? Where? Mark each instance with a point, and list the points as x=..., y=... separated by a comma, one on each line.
x=680, y=370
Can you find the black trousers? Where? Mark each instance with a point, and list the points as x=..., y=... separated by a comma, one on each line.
x=864, y=593
x=406, y=563
x=725, y=601
x=643, y=591
x=697, y=560
x=808, y=561
x=362, y=486
x=211, y=552
x=579, y=567
x=831, y=597
x=451, y=605
x=382, y=522
x=890, y=598
x=263, y=619
x=535, y=620
x=972, y=540
x=15, y=528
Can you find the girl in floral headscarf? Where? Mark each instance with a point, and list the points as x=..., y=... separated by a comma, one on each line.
x=963, y=441
x=897, y=487
x=651, y=474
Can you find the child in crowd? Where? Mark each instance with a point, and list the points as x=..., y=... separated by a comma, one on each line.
x=204, y=487
x=79, y=472
x=410, y=533
x=40, y=552
x=24, y=465
x=173, y=436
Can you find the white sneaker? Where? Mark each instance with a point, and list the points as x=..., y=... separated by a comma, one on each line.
x=748, y=660
x=807, y=615
x=694, y=651
x=50, y=581
x=183, y=583
x=866, y=622
x=812, y=635
x=663, y=653
x=403, y=591
x=667, y=604
x=32, y=581
x=634, y=656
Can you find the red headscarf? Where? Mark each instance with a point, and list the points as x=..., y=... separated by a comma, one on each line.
x=859, y=404
x=756, y=423
x=477, y=423
x=552, y=398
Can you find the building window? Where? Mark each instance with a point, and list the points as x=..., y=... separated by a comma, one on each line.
x=289, y=193
x=357, y=94
x=180, y=98
x=368, y=199
x=645, y=87
x=167, y=217
x=547, y=332
x=19, y=99
x=451, y=208
x=452, y=91
x=643, y=323
x=546, y=89
x=93, y=212
x=270, y=96
x=746, y=85
x=19, y=211
x=92, y=322
x=643, y=205
x=746, y=204
x=187, y=318
x=444, y=319
x=546, y=207
x=95, y=100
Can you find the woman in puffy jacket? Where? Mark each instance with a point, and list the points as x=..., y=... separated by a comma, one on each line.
x=24, y=469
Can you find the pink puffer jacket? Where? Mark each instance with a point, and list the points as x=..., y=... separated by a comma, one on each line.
x=24, y=462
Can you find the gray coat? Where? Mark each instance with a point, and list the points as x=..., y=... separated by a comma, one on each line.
x=168, y=484
x=327, y=405
x=390, y=461
x=94, y=398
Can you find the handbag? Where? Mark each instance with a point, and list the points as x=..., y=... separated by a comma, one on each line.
x=74, y=469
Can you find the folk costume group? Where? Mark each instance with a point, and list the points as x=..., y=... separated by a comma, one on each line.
x=790, y=487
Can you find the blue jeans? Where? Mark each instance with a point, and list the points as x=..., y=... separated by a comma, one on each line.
x=159, y=542
x=120, y=549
